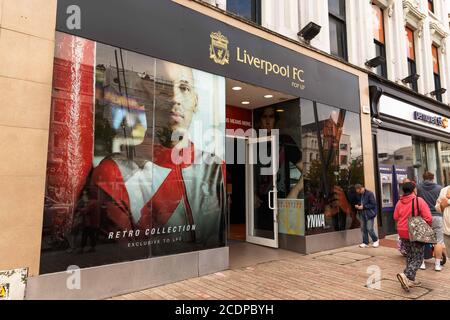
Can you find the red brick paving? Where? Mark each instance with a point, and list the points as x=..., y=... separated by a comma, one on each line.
x=337, y=274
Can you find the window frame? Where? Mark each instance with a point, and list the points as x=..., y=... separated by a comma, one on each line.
x=342, y=21
x=436, y=76
x=255, y=11
x=431, y=7
x=381, y=46
x=412, y=63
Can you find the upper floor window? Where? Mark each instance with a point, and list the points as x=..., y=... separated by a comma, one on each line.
x=436, y=72
x=412, y=67
x=431, y=5
x=379, y=39
x=337, y=18
x=248, y=9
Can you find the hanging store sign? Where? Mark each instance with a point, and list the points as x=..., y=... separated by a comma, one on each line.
x=169, y=31
x=410, y=113
x=434, y=120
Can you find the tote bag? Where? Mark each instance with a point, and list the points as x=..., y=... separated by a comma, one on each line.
x=419, y=230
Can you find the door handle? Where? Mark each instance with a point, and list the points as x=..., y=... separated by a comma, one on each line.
x=270, y=200
x=271, y=205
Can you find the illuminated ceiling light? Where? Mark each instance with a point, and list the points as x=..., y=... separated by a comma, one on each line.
x=280, y=110
x=268, y=96
x=237, y=88
x=245, y=102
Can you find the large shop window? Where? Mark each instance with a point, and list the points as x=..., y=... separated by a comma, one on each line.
x=333, y=137
x=395, y=149
x=407, y=154
x=135, y=159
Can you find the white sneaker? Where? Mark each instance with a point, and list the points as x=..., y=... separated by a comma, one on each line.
x=363, y=245
x=423, y=266
x=376, y=244
x=438, y=267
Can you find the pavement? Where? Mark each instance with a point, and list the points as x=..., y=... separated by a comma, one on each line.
x=344, y=274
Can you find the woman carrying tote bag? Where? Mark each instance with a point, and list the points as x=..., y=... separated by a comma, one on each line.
x=408, y=207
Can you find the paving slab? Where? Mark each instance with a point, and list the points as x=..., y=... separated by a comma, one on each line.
x=352, y=255
x=392, y=287
x=333, y=258
x=333, y=275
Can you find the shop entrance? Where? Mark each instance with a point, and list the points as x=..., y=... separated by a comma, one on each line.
x=252, y=190
x=252, y=164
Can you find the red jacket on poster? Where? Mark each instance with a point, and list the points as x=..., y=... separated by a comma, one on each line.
x=160, y=193
x=403, y=210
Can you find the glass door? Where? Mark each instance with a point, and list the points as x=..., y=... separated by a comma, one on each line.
x=262, y=212
x=426, y=159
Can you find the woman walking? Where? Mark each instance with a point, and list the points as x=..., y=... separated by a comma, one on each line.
x=408, y=206
x=443, y=206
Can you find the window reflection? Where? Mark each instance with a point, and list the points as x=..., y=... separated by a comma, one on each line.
x=396, y=149
x=410, y=154
x=445, y=158
x=332, y=138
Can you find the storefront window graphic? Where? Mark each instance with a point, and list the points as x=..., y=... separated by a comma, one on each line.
x=330, y=178
x=126, y=176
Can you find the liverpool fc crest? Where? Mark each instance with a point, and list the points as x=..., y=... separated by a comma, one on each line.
x=218, y=50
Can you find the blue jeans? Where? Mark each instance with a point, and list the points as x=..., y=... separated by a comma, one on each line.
x=367, y=229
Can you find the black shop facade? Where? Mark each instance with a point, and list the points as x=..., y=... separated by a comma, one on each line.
x=410, y=137
x=170, y=142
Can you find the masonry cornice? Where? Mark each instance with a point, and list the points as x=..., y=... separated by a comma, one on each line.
x=411, y=9
x=438, y=29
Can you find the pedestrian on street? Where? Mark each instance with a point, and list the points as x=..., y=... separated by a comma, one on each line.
x=367, y=210
x=429, y=191
x=410, y=205
x=443, y=206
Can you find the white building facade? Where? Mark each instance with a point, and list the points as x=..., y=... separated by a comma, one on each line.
x=349, y=29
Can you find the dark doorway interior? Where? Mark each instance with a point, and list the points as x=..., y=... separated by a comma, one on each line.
x=236, y=195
